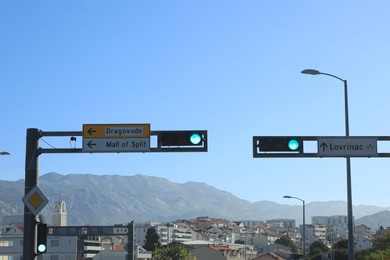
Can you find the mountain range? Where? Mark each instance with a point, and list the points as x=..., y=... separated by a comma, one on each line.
x=114, y=199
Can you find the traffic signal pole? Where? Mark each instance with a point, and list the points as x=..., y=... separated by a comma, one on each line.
x=198, y=144
x=31, y=180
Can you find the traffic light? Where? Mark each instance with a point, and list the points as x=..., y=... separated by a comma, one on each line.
x=41, y=235
x=280, y=144
x=181, y=138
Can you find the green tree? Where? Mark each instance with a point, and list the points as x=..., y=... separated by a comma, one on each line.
x=341, y=250
x=381, y=243
x=317, y=248
x=173, y=251
x=286, y=241
x=151, y=239
x=342, y=244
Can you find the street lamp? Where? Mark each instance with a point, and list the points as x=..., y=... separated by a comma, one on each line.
x=303, y=229
x=348, y=159
x=4, y=153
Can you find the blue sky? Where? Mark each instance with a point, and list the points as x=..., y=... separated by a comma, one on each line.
x=230, y=67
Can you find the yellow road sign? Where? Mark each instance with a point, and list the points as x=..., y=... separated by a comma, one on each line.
x=116, y=131
x=35, y=200
x=116, y=138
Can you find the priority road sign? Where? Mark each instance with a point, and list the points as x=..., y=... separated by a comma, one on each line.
x=35, y=200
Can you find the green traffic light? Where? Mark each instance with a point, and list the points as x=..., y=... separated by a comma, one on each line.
x=195, y=139
x=293, y=145
x=41, y=248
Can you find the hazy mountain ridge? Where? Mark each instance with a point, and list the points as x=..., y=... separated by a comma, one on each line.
x=113, y=199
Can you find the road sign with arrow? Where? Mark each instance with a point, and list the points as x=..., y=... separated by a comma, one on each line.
x=347, y=146
x=116, y=138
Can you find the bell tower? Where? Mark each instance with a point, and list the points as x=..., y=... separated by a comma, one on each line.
x=59, y=213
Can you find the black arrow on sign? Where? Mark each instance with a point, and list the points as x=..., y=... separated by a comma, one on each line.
x=91, y=131
x=323, y=146
x=90, y=144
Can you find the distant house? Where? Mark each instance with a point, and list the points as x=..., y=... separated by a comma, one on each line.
x=362, y=230
x=216, y=252
x=279, y=255
x=274, y=247
x=362, y=243
x=238, y=224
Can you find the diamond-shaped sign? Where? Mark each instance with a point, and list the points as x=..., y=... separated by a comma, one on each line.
x=35, y=200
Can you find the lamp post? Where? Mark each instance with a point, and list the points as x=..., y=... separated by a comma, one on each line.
x=303, y=229
x=348, y=160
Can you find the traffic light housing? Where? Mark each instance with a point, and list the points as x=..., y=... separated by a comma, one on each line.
x=41, y=238
x=281, y=144
x=181, y=138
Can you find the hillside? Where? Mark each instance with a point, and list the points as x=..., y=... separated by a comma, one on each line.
x=113, y=199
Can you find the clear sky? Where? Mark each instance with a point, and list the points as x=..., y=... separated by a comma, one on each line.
x=230, y=67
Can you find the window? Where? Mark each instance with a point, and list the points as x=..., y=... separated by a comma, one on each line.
x=6, y=243
x=54, y=243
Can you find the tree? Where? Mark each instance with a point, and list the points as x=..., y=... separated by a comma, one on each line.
x=317, y=248
x=342, y=244
x=173, y=251
x=151, y=239
x=341, y=249
x=286, y=241
x=381, y=242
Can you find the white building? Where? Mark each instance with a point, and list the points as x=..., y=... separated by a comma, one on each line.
x=167, y=233
x=338, y=224
x=336, y=221
x=315, y=232
x=60, y=248
x=362, y=243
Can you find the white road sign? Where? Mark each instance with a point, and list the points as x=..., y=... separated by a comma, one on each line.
x=347, y=146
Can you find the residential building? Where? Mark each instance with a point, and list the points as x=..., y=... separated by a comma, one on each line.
x=315, y=232
x=61, y=248
x=339, y=224
x=363, y=230
x=284, y=224
x=278, y=255
x=222, y=252
x=336, y=221
x=362, y=243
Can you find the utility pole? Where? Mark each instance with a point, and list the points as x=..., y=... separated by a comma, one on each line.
x=31, y=180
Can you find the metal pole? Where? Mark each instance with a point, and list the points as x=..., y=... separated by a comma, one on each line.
x=349, y=181
x=245, y=246
x=31, y=180
x=304, y=231
x=130, y=241
x=348, y=161
x=304, y=224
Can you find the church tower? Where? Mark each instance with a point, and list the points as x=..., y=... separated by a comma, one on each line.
x=58, y=214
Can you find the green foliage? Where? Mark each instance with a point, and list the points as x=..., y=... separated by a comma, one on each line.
x=341, y=254
x=286, y=241
x=173, y=251
x=377, y=255
x=342, y=244
x=381, y=243
x=317, y=248
x=151, y=239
